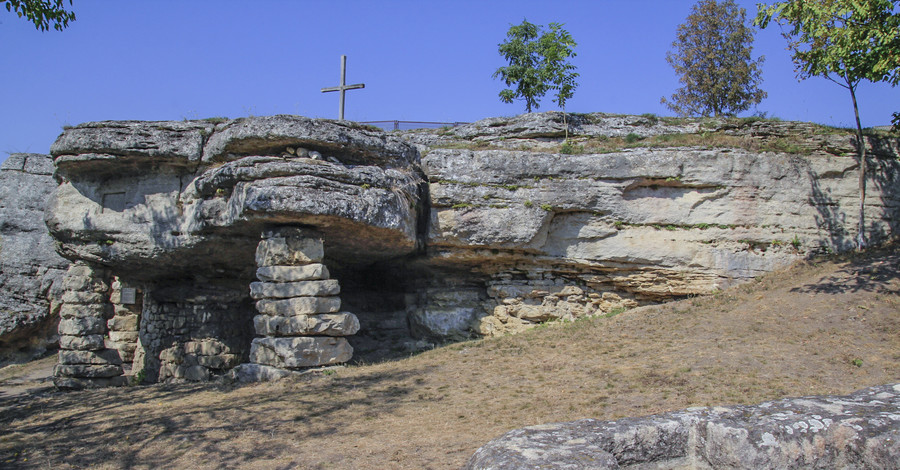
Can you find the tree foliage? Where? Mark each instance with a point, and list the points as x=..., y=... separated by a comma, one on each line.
x=538, y=63
x=42, y=13
x=713, y=57
x=845, y=41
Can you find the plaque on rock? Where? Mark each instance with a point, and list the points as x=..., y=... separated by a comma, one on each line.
x=128, y=295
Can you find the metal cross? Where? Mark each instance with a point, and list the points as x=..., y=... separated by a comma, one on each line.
x=343, y=87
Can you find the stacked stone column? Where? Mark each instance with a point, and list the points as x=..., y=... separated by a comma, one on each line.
x=299, y=309
x=84, y=359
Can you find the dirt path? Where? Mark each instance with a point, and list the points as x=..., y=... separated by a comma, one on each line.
x=30, y=378
x=829, y=327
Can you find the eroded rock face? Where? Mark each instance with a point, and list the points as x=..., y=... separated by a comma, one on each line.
x=636, y=225
x=30, y=269
x=483, y=229
x=175, y=211
x=861, y=430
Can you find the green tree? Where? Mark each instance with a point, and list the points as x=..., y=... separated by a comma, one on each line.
x=538, y=63
x=713, y=57
x=43, y=13
x=845, y=41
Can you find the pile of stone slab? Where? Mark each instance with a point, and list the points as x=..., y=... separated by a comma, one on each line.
x=299, y=321
x=195, y=361
x=84, y=358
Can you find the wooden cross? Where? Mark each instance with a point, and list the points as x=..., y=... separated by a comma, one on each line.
x=343, y=87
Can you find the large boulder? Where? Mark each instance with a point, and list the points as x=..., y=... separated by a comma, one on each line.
x=861, y=430
x=30, y=269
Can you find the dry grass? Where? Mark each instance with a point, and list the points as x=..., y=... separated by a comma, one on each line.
x=826, y=328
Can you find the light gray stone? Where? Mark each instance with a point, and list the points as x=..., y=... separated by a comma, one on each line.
x=299, y=306
x=77, y=383
x=206, y=347
x=123, y=323
x=84, y=310
x=861, y=430
x=335, y=324
x=289, y=251
x=296, y=353
x=247, y=373
x=196, y=373
x=221, y=361
x=309, y=272
x=283, y=290
x=123, y=336
x=87, y=370
x=30, y=269
x=80, y=297
x=176, y=141
x=82, y=326
x=82, y=342
x=106, y=356
x=259, y=135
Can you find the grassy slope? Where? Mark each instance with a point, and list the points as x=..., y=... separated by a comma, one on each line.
x=828, y=327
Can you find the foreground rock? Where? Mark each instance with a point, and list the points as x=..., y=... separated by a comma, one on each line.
x=30, y=269
x=861, y=430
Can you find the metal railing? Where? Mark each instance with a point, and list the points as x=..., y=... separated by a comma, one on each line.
x=406, y=125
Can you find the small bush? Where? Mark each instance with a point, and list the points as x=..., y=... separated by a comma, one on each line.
x=632, y=138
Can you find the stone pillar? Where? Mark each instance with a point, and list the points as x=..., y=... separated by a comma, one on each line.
x=84, y=359
x=299, y=318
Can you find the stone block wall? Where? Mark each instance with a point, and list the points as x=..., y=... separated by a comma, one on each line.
x=299, y=321
x=193, y=324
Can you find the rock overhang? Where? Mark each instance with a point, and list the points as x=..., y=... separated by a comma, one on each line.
x=140, y=192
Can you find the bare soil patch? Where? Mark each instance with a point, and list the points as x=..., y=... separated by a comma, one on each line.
x=824, y=327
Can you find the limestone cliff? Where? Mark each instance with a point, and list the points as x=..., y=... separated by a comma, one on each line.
x=639, y=209
x=30, y=269
x=482, y=229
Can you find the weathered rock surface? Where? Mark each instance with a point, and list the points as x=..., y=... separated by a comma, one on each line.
x=861, y=430
x=30, y=269
x=139, y=195
x=640, y=224
x=328, y=324
x=300, y=352
x=483, y=229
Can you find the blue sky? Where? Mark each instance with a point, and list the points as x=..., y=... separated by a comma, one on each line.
x=420, y=60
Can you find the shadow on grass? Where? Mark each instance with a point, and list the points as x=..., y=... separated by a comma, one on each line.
x=223, y=426
x=871, y=272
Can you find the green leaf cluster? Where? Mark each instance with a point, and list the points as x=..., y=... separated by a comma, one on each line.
x=842, y=40
x=712, y=54
x=538, y=62
x=42, y=13
x=845, y=41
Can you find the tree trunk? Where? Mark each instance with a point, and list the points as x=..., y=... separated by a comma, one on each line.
x=861, y=150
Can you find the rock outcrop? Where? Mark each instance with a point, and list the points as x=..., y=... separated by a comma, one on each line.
x=639, y=210
x=30, y=269
x=174, y=211
x=861, y=430
x=426, y=236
